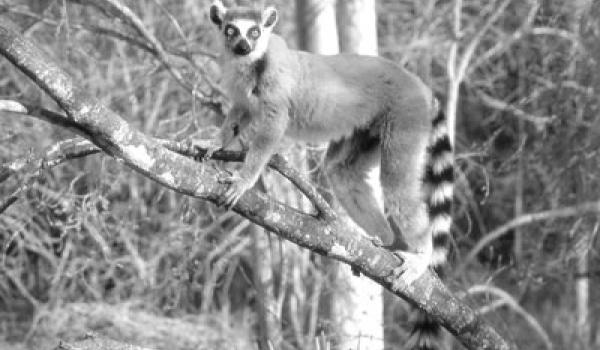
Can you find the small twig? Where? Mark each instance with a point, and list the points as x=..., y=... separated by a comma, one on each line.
x=282, y=166
x=492, y=102
x=580, y=209
x=149, y=44
x=557, y=32
x=14, y=196
x=15, y=279
x=469, y=51
x=160, y=53
x=82, y=26
x=126, y=37
x=503, y=45
x=457, y=66
x=217, y=260
x=507, y=299
x=58, y=154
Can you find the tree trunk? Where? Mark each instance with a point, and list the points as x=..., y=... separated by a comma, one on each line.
x=583, y=246
x=359, y=312
x=317, y=32
x=582, y=289
x=268, y=327
x=357, y=26
x=316, y=26
x=363, y=309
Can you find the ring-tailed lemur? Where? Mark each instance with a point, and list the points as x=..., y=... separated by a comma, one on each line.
x=372, y=112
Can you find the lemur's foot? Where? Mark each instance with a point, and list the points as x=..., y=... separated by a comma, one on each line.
x=413, y=266
x=237, y=187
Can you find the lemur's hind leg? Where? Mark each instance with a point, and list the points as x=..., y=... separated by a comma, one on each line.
x=403, y=160
x=348, y=163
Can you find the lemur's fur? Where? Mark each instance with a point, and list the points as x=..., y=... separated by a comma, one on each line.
x=372, y=111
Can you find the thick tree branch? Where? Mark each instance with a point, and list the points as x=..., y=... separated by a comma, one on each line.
x=335, y=239
x=76, y=148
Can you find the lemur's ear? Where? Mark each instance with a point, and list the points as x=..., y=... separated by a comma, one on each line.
x=217, y=12
x=269, y=17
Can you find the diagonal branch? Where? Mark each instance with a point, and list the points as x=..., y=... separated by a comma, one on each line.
x=76, y=148
x=335, y=239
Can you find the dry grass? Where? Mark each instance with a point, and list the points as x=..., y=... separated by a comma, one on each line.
x=128, y=324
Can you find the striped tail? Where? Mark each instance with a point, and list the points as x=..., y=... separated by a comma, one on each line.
x=439, y=181
x=439, y=178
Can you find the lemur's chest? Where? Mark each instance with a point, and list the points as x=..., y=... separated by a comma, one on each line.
x=240, y=80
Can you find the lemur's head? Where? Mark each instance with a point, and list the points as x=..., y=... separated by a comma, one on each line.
x=245, y=30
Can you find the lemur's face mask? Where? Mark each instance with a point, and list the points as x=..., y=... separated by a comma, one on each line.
x=245, y=30
x=242, y=36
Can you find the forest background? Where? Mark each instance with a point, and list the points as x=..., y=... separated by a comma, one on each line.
x=89, y=239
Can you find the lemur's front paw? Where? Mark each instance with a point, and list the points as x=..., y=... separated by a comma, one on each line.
x=414, y=265
x=237, y=187
x=211, y=146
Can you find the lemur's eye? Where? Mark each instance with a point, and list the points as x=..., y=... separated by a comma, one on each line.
x=254, y=33
x=231, y=31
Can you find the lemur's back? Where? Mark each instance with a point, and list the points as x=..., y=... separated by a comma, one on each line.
x=330, y=89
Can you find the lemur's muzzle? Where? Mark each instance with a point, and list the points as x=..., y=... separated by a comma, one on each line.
x=242, y=48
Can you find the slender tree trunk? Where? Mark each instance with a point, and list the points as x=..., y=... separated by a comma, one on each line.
x=582, y=289
x=357, y=26
x=363, y=311
x=316, y=26
x=583, y=246
x=359, y=312
x=268, y=326
x=454, y=74
x=317, y=33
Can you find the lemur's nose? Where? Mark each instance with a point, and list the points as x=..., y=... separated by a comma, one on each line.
x=242, y=48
